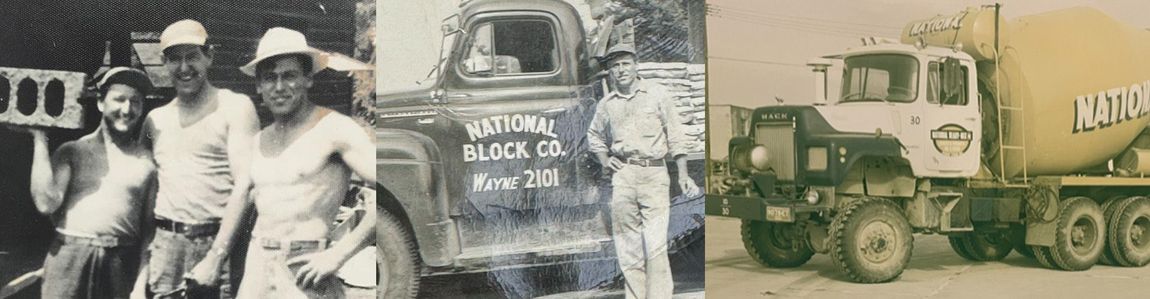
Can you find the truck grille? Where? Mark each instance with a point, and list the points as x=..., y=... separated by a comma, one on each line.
x=779, y=138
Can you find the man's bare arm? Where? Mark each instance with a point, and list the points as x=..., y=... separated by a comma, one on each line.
x=49, y=179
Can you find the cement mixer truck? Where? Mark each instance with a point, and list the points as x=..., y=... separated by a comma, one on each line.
x=1027, y=136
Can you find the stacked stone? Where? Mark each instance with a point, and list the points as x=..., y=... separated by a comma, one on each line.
x=688, y=86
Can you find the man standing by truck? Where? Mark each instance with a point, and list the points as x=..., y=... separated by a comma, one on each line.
x=98, y=188
x=634, y=129
x=301, y=168
x=201, y=142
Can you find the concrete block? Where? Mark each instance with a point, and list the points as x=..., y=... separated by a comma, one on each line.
x=42, y=98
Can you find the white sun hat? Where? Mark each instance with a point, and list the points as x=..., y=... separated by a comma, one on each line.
x=183, y=32
x=280, y=41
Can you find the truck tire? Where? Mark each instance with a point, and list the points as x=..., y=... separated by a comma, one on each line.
x=399, y=265
x=1018, y=240
x=1108, y=207
x=1042, y=255
x=773, y=244
x=1080, y=235
x=1129, y=239
x=982, y=246
x=871, y=240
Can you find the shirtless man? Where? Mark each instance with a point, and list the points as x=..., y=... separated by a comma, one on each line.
x=202, y=144
x=97, y=189
x=301, y=167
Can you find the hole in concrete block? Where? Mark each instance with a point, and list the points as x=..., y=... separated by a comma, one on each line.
x=26, y=96
x=54, y=98
x=5, y=93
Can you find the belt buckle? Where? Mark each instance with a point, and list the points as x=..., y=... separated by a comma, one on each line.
x=637, y=162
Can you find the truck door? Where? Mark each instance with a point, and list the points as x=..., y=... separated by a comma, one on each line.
x=518, y=122
x=951, y=120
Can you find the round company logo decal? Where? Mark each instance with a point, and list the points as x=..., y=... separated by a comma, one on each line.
x=951, y=139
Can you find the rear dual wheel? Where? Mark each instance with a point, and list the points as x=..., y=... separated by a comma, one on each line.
x=1128, y=221
x=1079, y=237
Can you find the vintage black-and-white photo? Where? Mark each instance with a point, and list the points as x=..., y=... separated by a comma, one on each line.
x=187, y=149
x=541, y=148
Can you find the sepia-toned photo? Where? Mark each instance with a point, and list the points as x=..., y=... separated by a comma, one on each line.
x=187, y=149
x=945, y=149
x=541, y=148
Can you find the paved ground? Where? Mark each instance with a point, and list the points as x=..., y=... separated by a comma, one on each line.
x=935, y=271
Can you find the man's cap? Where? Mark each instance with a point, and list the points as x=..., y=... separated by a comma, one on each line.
x=280, y=41
x=128, y=76
x=617, y=50
x=183, y=32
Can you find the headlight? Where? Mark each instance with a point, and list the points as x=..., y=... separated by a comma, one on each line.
x=816, y=158
x=750, y=157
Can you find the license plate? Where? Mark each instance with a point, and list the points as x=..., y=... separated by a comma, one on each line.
x=779, y=214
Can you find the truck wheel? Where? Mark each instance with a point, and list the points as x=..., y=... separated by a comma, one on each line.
x=1080, y=235
x=1107, y=257
x=1042, y=255
x=1018, y=241
x=398, y=260
x=774, y=244
x=1129, y=240
x=982, y=246
x=872, y=241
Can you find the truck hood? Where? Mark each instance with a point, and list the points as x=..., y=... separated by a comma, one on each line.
x=404, y=97
x=863, y=117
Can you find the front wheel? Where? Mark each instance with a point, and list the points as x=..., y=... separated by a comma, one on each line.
x=871, y=240
x=778, y=245
x=398, y=260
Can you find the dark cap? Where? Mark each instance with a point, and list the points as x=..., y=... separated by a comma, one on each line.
x=128, y=76
x=617, y=50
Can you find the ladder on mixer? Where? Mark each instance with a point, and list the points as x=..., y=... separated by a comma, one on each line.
x=1003, y=147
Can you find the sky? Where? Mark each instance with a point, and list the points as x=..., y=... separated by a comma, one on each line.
x=757, y=50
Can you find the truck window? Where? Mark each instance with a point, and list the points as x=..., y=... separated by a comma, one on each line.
x=880, y=77
x=934, y=87
x=510, y=47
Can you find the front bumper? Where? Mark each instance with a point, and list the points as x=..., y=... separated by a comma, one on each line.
x=773, y=209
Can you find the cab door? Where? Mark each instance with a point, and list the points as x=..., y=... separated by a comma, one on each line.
x=951, y=120
x=518, y=122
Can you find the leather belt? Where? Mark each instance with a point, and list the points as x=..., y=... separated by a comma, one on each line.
x=98, y=241
x=277, y=244
x=646, y=162
x=188, y=229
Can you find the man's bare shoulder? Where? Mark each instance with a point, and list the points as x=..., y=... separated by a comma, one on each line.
x=83, y=147
x=343, y=129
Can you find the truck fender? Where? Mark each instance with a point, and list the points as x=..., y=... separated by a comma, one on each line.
x=411, y=175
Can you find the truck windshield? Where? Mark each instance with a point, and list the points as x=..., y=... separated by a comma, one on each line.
x=880, y=77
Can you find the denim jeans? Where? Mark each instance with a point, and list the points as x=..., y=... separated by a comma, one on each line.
x=174, y=254
x=73, y=270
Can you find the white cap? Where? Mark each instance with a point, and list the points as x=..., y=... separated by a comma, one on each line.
x=183, y=32
x=280, y=41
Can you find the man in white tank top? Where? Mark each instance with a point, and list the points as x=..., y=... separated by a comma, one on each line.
x=301, y=166
x=96, y=188
x=202, y=145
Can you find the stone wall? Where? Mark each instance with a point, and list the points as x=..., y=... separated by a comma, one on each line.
x=688, y=84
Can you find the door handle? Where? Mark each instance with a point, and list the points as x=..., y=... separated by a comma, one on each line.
x=971, y=118
x=458, y=95
x=426, y=121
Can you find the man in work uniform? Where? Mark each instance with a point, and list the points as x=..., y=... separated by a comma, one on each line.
x=97, y=187
x=300, y=172
x=634, y=129
x=201, y=142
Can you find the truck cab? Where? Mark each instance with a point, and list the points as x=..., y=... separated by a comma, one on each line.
x=486, y=166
